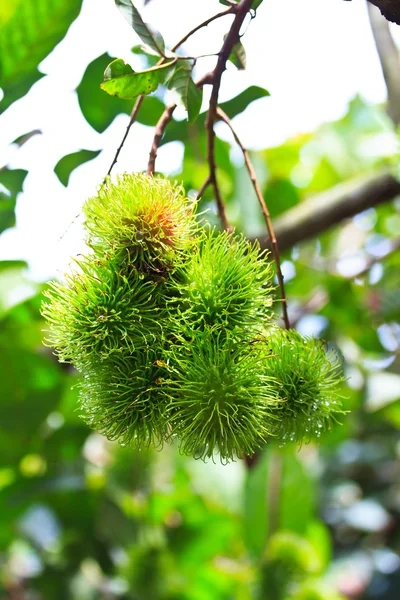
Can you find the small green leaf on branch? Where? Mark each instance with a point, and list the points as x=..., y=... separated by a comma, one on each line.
x=238, y=56
x=122, y=81
x=190, y=94
x=146, y=32
x=68, y=163
x=11, y=184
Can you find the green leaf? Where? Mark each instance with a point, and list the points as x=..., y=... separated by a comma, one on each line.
x=146, y=32
x=120, y=80
x=117, y=68
x=255, y=518
x=30, y=33
x=22, y=139
x=68, y=163
x=190, y=94
x=296, y=497
x=238, y=56
x=178, y=130
x=296, y=508
x=100, y=110
x=238, y=104
x=256, y=4
x=12, y=180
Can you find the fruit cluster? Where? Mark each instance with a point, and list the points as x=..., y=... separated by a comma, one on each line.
x=169, y=323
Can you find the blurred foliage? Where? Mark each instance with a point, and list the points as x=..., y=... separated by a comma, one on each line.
x=83, y=519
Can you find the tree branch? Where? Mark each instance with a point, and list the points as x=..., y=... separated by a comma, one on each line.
x=231, y=39
x=322, y=211
x=389, y=57
x=203, y=188
x=140, y=98
x=389, y=8
x=158, y=134
x=229, y=11
x=267, y=217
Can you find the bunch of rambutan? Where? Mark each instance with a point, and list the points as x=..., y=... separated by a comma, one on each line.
x=169, y=323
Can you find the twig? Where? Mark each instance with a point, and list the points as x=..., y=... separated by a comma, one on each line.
x=230, y=40
x=203, y=188
x=158, y=134
x=134, y=114
x=140, y=98
x=389, y=8
x=389, y=58
x=275, y=249
x=229, y=11
x=319, y=213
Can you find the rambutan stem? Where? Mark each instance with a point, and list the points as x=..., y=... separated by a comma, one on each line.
x=163, y=121
x=267, y=217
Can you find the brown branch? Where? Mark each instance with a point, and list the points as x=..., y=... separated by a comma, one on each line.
x=203, y=188
x=158, y=134
x=134, y=114
x=267, y=217
x=389, y=8
x=229, y=11
x=230, y=40
x=322, y=211
x=140, y=98
x=389, y=57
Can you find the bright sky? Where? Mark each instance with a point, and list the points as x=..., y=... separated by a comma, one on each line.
x=312, y=55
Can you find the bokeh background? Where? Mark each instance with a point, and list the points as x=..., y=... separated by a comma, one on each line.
x=82, y=518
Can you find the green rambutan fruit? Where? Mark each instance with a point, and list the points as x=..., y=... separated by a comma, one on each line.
x=122, y=399
x=228, y=285
x=307, y=379
x=219, y=400
x=146, y=222
x=98, y=312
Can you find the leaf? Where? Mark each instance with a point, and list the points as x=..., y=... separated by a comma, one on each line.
x=190, y=94
x=238, y=104
x=68, y=163
x=238, y=56
x=146, y=32
x=296, y=507
x=120, y=80
x=26, y=38
x=255, y=517
x=117, y=68
x=100, y=110
x=296, y=497
x=22, y=139
x=178, y=130
x=256, y=4
x=12, y=180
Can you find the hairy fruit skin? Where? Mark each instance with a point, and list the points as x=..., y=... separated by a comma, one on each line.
x=168, y=322
x=146, y=223
x=219, y=399
x=307, y=380
x=228, y=285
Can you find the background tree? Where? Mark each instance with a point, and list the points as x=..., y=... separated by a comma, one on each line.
x=84, y=518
